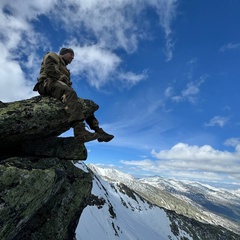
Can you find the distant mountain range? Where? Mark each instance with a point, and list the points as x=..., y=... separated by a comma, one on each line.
x=225, y=203
x=125, y=208
x=191, y=199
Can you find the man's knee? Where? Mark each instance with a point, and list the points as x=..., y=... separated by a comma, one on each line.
x=69, y=95
x=41, y=89
x=60, y=91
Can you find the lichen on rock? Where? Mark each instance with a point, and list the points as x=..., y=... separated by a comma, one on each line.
x=41, y=198
x=37, y=123
x=42, y=194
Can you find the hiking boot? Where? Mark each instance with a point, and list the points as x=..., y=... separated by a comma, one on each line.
x=82, y=135
x=104, y=137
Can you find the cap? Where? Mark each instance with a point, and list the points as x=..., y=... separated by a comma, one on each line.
x=65, y=50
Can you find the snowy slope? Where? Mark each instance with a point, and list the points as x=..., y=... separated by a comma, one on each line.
x=117, y=213
x=201, y=202
x=219, y=201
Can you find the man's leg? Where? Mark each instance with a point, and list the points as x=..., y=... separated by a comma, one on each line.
x=94, y=125
x=69, y=97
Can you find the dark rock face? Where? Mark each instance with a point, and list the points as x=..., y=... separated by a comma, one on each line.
x=32, y=127
x=35, y=118
x=41, y=194
x=41, y=198
x=63, y=148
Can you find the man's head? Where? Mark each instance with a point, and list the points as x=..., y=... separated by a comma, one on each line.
x=67, y=54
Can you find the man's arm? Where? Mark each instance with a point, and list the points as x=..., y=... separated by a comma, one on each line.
x=51, y=67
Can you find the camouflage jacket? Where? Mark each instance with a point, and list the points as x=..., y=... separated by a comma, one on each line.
x=54, y=68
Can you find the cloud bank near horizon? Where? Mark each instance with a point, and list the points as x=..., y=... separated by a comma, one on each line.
x=202, y=163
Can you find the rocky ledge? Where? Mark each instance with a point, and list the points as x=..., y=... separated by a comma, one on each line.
x=42, y=194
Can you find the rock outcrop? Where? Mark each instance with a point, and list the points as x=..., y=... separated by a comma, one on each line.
x=41, y=198
x=42, y=194
x=32, y=127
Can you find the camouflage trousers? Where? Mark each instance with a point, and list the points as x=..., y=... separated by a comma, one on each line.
x=79, y=109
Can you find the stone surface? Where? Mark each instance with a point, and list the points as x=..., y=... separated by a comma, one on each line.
x=36, y=118
x=63, y=148
x=41, y=198
x=42, y=194
x=32, y=127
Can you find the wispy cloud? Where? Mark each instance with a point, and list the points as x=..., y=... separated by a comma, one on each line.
x=130, y=79
x=167, y=13
x=13, y=84
x=95, y=28
x=189, y=93
x=234, y=142
x=100, y=66
x=230, y=46
x=94, y=63
x=217, y=121
x=185, y=152
x=119, y=24
x=169, y=91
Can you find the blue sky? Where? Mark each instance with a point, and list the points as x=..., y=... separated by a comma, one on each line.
x=164, y=72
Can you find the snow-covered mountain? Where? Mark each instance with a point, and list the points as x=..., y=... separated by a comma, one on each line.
x=129, y=216
x=117, y=212
x=194, y=200
x=220, y=201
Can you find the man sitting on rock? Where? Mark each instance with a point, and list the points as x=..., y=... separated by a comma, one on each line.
x=54, y=81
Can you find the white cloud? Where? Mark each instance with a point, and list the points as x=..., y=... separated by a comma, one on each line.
x=217, y=121
x=98, y=26
x=106, y=21
x=98, y=65
x=13, y=84
x=168, y=92
x=95, y=64
x=143, y=163
x=205, y=176
x=230, y=46
x=118, y=24
x=131, y=78
x=167, y=13
x=18, y=42
x=191, y=92
x=233, y=142
x=183, y=160
x=184, y=152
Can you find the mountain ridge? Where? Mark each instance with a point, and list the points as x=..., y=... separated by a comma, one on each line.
x=119, y=212
x=160, y=195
